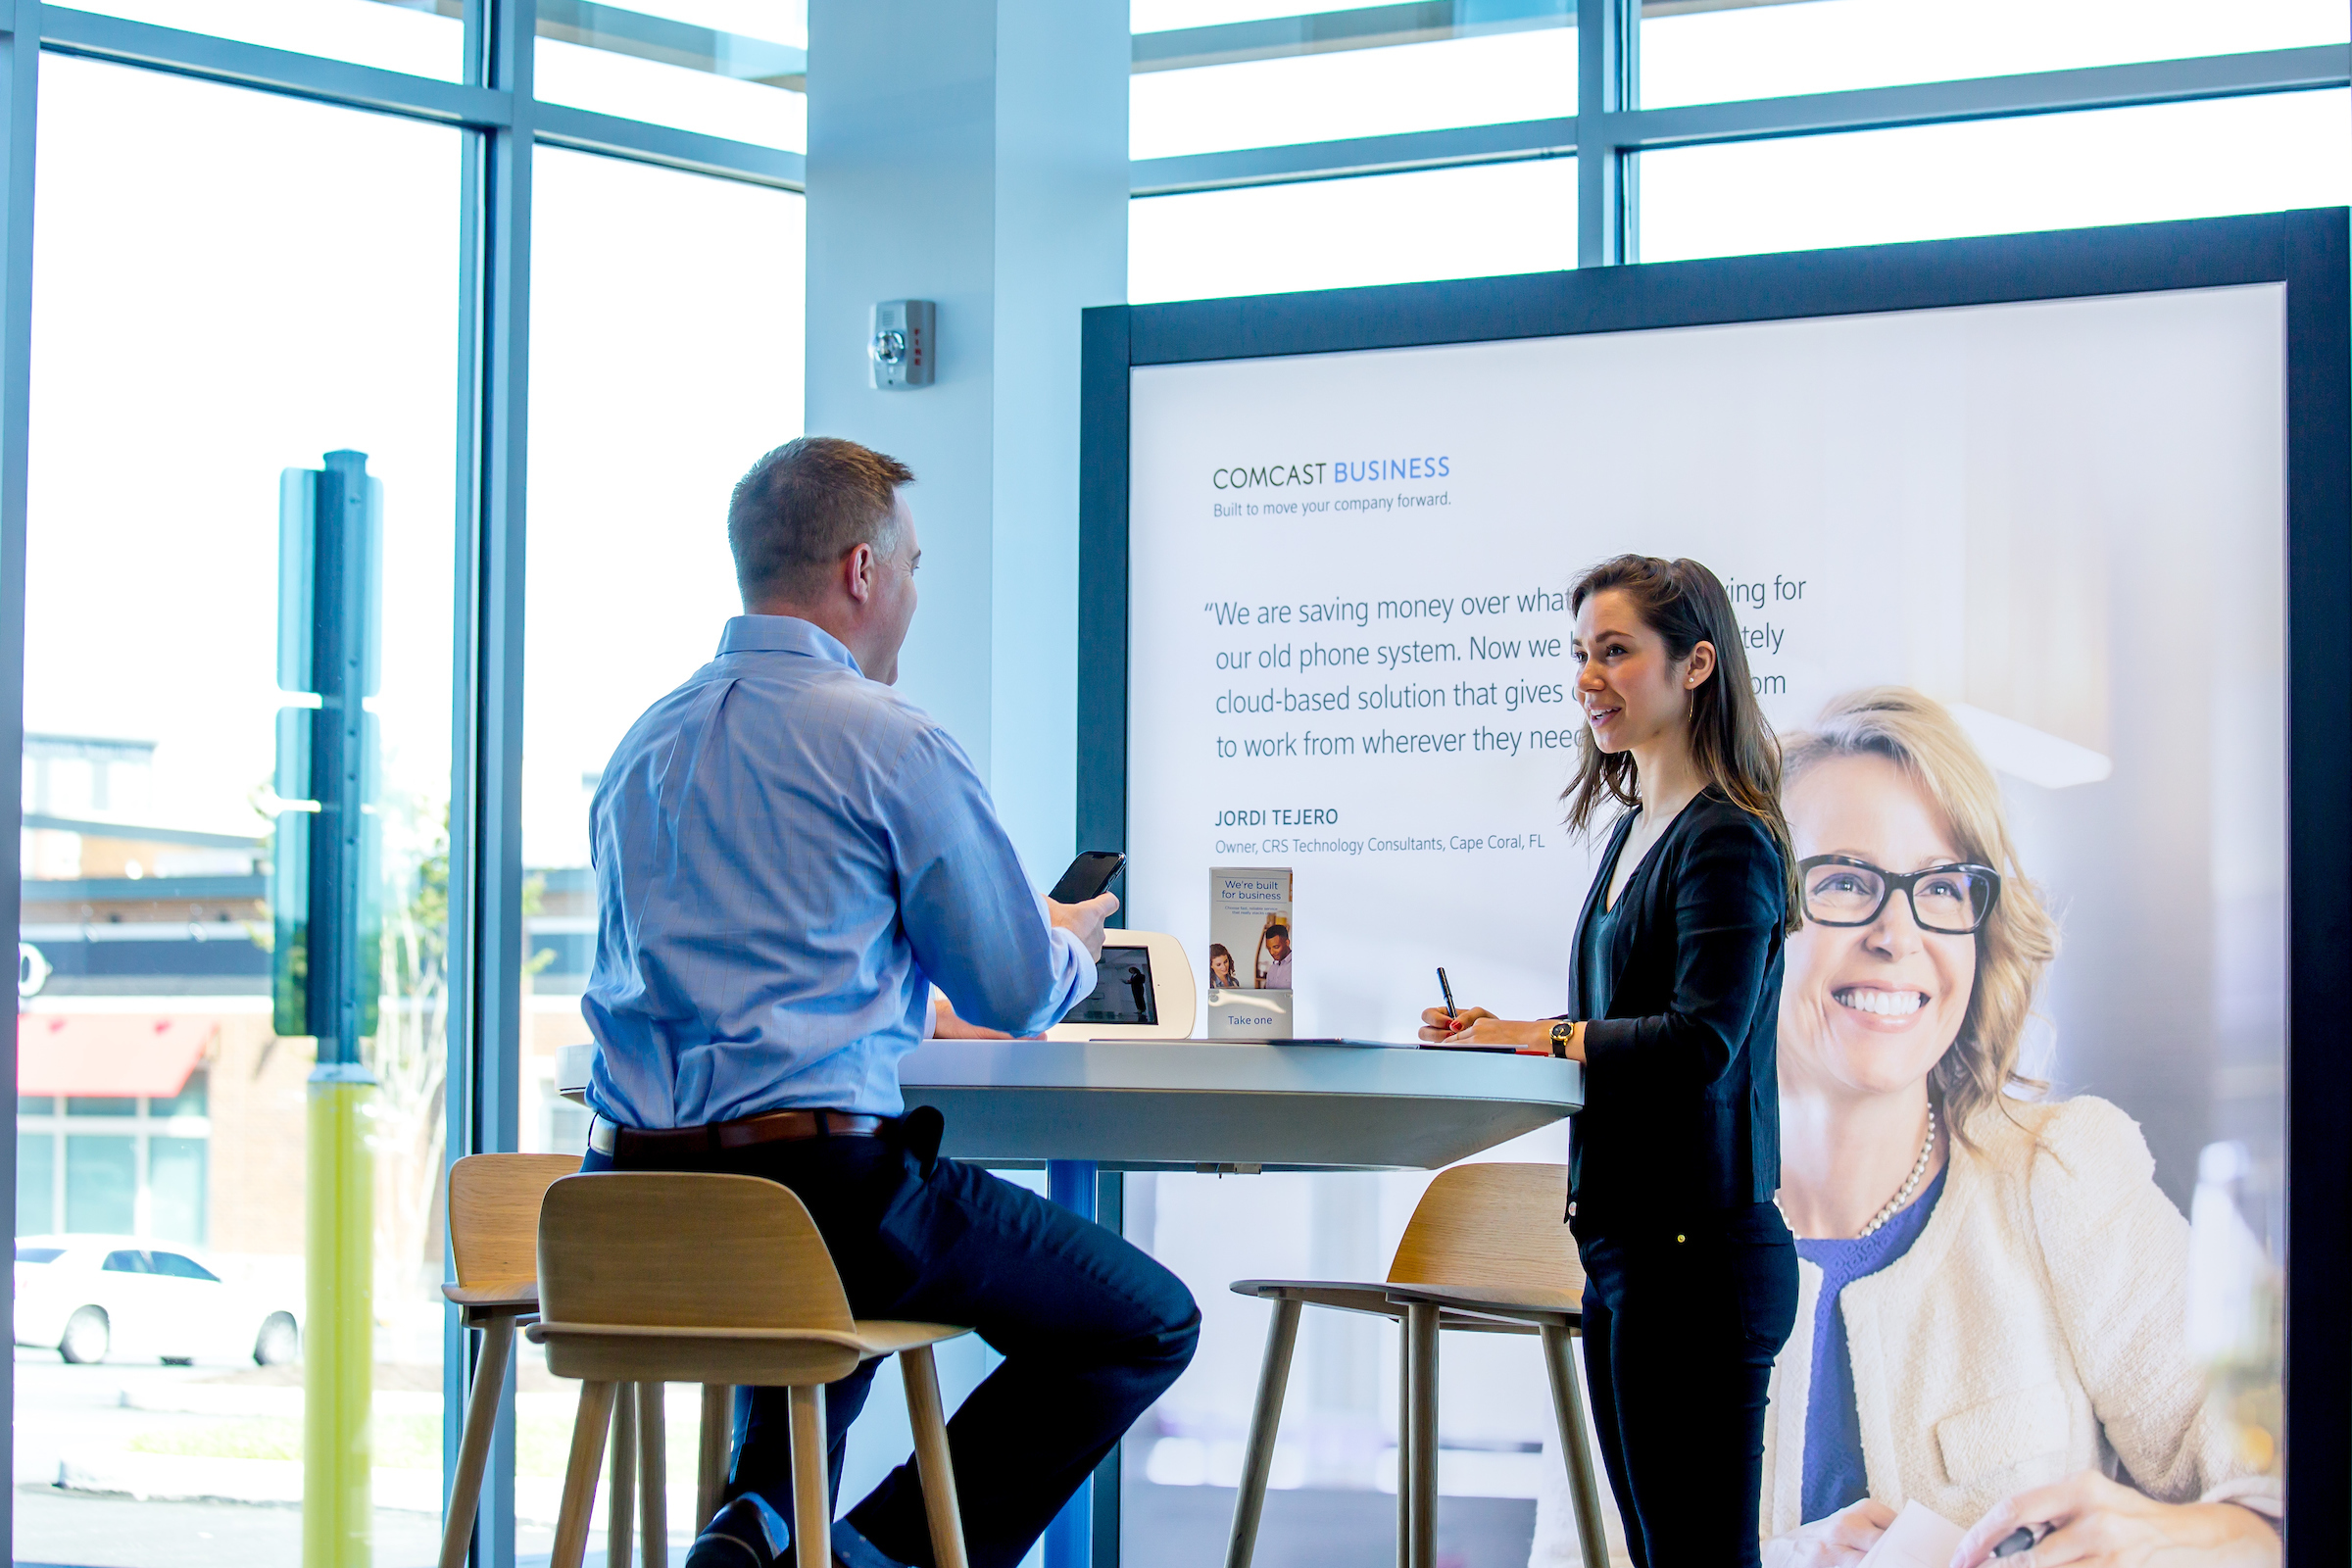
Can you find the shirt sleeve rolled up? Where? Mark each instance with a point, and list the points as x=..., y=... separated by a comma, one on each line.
x=976, y=926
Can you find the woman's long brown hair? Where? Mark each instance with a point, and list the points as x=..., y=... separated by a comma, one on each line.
x=1729, y=741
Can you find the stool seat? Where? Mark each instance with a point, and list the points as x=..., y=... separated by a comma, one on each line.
x=1388, y=1298
x=762, y=1356
x=494, y=1295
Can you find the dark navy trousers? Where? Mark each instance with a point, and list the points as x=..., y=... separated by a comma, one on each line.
x=1092, y=1331
x=1682, y=1319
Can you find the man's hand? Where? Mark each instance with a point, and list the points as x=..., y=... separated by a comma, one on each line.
x=1085, y=920
x=947, y=1025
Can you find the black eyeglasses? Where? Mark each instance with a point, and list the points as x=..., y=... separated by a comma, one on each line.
x=1949, y=900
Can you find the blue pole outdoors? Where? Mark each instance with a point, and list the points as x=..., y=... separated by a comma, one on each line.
x=1070, y=1538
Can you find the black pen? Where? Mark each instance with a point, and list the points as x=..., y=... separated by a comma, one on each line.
x=1448, y=992
x=2023, y=1538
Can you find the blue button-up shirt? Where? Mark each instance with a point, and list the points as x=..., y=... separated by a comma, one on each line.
x=786, y=855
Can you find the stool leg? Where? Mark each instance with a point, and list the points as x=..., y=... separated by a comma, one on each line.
x=580, y=1475
x=811, y=1493
x=1568, y=1407
x=1421, y=1323
x=474, y=1448
x=652, y=1472
x=1258, y=1459
x=622, y=1497
x=711, y=1470
x=1404, y=1444
x=919, y=1372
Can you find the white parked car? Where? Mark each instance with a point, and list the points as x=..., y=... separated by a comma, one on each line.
x=91, y=1296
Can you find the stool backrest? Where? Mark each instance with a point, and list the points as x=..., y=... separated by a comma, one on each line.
x=1492, y=1225
x=494, y=1214
x=685, y=1249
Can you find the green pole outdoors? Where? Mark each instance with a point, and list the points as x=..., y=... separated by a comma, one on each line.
x=326, y=907
x=339, y=1329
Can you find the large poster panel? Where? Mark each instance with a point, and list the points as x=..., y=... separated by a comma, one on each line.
x=2010, y=579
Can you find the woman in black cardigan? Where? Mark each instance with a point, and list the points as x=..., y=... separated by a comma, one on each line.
x=1674, y=994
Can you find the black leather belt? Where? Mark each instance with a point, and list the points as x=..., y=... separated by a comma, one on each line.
x=772, y=1127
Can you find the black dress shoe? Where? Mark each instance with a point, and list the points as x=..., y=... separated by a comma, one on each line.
x=744, y=1534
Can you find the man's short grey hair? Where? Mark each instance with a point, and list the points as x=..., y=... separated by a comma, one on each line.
x=803, y=508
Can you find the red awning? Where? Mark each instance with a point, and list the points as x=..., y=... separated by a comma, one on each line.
x=109, y=1054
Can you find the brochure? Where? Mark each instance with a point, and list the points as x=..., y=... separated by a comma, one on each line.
x=1250, y=952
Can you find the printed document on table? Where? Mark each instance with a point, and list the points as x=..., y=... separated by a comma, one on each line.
x=1919, y=1537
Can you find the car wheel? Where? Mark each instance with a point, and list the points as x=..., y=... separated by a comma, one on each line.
x=278, y=1342
x=86, y=1336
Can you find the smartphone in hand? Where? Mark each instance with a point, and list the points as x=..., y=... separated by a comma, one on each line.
x=1087, y=876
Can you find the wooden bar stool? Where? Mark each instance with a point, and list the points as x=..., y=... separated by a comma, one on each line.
x=494, y=1238
x=651, y=1277
x=1488, y=1252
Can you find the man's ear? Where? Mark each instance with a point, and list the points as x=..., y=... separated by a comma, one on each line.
x=857, y=570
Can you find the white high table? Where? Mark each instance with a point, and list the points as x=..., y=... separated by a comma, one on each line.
x=1080, y=1107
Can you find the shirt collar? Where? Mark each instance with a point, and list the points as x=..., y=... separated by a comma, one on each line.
x=783, y=634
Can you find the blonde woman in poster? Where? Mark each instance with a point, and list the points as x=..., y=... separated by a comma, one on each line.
x=1993, y=1289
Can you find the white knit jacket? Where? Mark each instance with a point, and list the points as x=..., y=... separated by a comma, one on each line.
x=2035, y=1330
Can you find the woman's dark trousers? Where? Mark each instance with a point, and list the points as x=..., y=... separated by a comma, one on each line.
x=1681, y=1321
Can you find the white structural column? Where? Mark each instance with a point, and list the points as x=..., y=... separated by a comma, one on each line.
x=975, y=155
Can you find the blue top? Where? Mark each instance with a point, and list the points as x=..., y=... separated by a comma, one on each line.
x=1834, y=1472
x=1592, y=941
x=786, y=855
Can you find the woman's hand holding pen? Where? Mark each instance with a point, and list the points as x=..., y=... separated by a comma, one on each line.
x=1476, y=1029
x=2099, y=1523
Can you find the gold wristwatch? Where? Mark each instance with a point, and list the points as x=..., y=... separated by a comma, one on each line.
x=1560, y=1033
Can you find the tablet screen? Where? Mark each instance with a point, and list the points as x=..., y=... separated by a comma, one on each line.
x=1122, y=991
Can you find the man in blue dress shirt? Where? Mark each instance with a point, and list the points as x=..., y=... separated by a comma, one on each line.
x=789, y=855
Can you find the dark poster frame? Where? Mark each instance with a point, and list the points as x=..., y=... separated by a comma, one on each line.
x=2307, y=251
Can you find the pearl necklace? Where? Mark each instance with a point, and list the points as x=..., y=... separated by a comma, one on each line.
x=1919, y=1170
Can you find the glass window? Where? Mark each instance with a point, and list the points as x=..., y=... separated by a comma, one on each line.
x=101, y=1105
x=102, y=1186
x=175, y=1196
x=1157, y=16
x=1693, y=54
x=665, y=357
x=37, y=1105
x=36, y=1189
x=1483, y=220
x=406, y=36
x=181, y=1268
x=126, y=1264
x=189, y=1101
x=38, y=1255
x=2110, y=165
x=737, y=69
x=1488, y=80
x=231, y=285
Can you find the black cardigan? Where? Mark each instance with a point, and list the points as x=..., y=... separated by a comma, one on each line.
x=1682, y=1101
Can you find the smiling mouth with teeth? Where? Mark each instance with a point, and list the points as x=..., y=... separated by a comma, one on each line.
x=1883, y=1004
